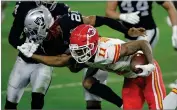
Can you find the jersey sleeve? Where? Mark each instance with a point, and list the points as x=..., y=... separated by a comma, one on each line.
x=71, y=20
x=108, y=54
x=109, y=50
x=61, y=9
x=113, y=53
x=19, y=14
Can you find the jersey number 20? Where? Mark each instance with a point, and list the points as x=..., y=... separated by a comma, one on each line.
x=75, y=16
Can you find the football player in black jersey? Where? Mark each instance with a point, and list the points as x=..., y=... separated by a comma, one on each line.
x=145, y=20
x=27, y=70
x=58, y=43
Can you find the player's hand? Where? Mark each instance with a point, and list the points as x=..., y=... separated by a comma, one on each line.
x=28, y=48
x=147, y=69
x=135, y=32
x=131, y=18
x=174, y=37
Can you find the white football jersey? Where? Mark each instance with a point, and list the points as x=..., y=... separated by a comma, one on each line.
x=108, y=58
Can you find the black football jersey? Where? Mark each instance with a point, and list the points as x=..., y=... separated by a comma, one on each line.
x=19, y=13
x=60, y=44
x=68, y=22
x=145, y=8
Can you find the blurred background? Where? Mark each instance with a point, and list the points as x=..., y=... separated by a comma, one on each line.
x=66, y=91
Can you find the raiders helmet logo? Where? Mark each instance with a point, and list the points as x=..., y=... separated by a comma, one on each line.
x=39, y=21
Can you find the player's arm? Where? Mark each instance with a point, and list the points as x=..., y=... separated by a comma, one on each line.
x=17, y=26
x=97, y=21
x=58, y=61
x=169, y=6
x=111, y=12
x=111, y=9
x=132, y=47
x=61, y=60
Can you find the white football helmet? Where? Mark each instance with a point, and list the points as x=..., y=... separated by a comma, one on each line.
x=37, y=22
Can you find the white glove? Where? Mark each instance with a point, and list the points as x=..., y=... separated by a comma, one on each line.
x=28, y=48
x=147, y=69
x=131, y=18
x=174, y=37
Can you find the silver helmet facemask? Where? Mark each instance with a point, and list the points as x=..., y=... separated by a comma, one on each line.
x=50, y=4
x=37, y=23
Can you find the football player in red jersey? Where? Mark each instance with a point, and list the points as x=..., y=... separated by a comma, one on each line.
x=115, y=55
x=56, y=42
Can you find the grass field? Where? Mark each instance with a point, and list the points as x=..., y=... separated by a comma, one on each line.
x=66, y=91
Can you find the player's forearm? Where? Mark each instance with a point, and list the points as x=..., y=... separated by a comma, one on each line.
x=58, y=61
x=114, y=24
x=111, y=10
x=112, y=14
x=147, y=50
x=169, y=6
x=98, y=21
x=173, y=16
x=132, y=47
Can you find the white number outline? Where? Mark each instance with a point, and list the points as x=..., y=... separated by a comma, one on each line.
x=140, y=6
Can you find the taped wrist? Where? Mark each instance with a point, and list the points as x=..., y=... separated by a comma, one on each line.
x=114, y=24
